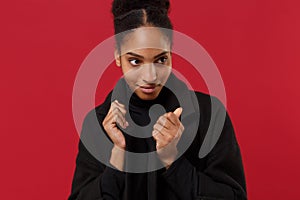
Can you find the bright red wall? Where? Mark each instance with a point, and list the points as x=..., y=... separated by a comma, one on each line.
x=254, y=43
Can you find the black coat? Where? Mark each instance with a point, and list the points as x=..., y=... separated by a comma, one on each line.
x=219, y=175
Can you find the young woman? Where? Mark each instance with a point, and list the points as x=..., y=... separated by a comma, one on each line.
x=143, y=51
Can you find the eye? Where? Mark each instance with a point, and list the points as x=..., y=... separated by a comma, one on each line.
x=134, y=62
x=162, y=60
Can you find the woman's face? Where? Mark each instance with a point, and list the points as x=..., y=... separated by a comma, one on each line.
x=145, y=61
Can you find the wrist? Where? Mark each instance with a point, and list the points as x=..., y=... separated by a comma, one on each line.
x=117, y=157
x=167, y=157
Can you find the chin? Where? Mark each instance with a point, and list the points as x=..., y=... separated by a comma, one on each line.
x=144, y=96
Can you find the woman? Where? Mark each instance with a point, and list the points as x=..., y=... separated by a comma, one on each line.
x=143, y=51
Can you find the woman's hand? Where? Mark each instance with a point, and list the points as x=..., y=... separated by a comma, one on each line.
x=116, y=115
x=167, y=132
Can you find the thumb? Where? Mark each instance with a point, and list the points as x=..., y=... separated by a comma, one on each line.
x=178, y=112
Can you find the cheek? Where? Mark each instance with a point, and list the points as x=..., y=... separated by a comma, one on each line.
x=132, y=76
x=163, y=73
x=125, y=68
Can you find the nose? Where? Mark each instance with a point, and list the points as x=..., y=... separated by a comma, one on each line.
x=149, y=74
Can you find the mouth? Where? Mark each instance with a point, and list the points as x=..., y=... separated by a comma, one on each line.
x=148, y=89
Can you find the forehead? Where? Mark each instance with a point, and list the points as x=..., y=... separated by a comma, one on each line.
x=145, y=38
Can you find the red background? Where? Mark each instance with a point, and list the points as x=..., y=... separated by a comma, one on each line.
x=43, y=43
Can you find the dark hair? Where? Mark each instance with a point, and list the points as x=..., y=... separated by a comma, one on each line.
x=131, y=14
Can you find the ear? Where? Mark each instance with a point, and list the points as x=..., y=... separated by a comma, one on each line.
x=117, y=58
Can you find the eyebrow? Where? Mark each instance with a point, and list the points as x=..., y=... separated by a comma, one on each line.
x=139, y=56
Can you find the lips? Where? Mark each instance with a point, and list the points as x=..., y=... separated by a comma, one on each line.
x=148, y=89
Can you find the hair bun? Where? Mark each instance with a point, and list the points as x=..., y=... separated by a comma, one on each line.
x=120, y=7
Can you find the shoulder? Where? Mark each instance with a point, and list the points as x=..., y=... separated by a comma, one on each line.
x=207, y=102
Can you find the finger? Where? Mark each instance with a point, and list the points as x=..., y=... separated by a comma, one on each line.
x=165, y=135
x=120, y=111
x=178, y=112
x=163, y=121
x=157, y=135
x=159, y=138
x=121, y=107
x=168, y=129
x=113, y=118
x=173, y=119
x=158, y=127
x=167, y=125
x=117, y=111
x=120, y=104
x=108, y=118
x=115, y=134
x=120, y=120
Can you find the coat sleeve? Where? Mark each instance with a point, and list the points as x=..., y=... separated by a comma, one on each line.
x=221, y=177
x=93, y=180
